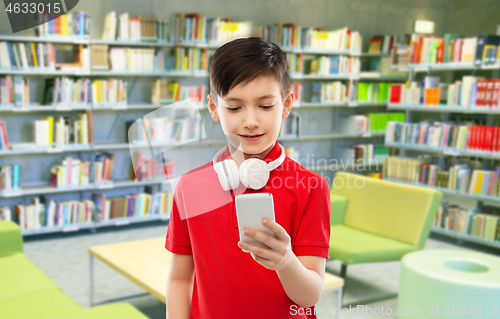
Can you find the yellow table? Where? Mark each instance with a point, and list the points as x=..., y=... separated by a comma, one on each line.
x=146, y=263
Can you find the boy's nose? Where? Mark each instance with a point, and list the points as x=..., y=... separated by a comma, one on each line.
x=251, y=121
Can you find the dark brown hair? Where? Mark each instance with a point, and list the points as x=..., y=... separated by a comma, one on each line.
x=243, y=60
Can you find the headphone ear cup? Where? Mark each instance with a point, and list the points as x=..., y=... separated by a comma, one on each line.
x=224, y=183
x=232, y=180
x=253, y=173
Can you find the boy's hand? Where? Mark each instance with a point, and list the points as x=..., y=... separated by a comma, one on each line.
x=279, y=253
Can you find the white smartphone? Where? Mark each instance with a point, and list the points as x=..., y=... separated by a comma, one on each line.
x=250, y=210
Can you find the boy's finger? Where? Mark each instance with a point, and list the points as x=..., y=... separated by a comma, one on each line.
x=264, y=238
x=259, y=251
x=276, y=228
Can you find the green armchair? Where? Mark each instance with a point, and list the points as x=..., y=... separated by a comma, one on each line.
x=26, y=292
x=374, y=220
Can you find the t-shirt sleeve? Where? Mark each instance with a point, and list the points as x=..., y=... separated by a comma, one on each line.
x=313, y=234
x=177, y=239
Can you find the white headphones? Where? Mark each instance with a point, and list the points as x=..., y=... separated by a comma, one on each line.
x=230, y=177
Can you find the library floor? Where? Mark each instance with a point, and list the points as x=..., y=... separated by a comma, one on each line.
x=64, y=258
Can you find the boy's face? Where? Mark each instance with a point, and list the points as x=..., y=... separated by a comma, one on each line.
x=252, y=113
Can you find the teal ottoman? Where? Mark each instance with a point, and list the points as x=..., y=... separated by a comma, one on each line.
x=449, y=284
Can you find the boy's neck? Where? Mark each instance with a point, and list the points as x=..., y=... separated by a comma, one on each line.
x=239, y=156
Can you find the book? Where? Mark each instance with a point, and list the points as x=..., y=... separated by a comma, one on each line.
x=483, y=41
x=109, y=32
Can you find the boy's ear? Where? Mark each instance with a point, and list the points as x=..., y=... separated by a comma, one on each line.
x=212, y=108
x=288, y=103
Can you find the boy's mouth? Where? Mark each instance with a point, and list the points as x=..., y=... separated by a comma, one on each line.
x=254, y=135
x=250, y=138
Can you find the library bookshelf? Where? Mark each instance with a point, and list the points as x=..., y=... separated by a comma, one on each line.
x=444, y=112
x=35, y=109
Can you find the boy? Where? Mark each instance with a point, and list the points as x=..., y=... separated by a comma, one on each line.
x=210, y=276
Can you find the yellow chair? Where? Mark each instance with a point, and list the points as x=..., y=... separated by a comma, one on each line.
x=375, y=220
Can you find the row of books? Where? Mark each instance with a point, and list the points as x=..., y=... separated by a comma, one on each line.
x=148, y=168
x=14, y=90
x=43, y=212
x=48, y=213
x=61, y=131
x=327, y=92
x=149, y=60
x=369, y=123
x=67, y=91
x=75, y=24
x=193, y=27
x=384, y=43
x=366, y=153
x=290, y=35
x=295, y=62
x=484, y=138
x=370, y=92
x=42, y=56
x=483, y=223
x=437, y=134
x=180, y=27
x=452, y=48
x=10, y=177
x=463, y=177
x=130, y=59
x=4, y=138
x=63, y=91
x=400, y=55
x=164, y=91
x=218, y=30
x=109, y=91
x=133, y=205
x=75, y=172
x=82, y=91
x=333, y=64
x=20, y=55
x=290, y=127
x=487, y=93
x=453, y=176
x=472, y=91
x=164, y=129
x=127, y=28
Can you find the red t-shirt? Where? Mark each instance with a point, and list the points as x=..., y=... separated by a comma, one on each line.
x=229, y=283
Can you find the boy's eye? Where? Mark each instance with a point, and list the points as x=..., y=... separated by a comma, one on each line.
x=237, y=108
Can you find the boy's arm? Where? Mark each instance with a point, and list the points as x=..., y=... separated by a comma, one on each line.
x=303, y=279
x=180, y=286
